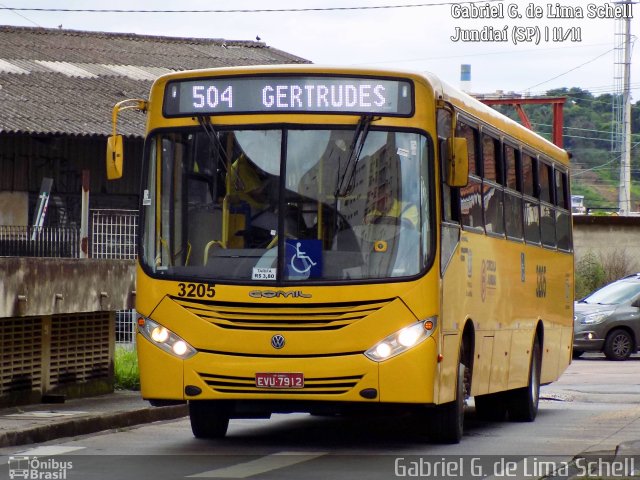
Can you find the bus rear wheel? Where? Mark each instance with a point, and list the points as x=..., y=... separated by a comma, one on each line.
x=522, y=403
x=446, y=422
x=209, y=419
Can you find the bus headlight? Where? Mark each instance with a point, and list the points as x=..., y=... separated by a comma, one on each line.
x=165, y=339
x=402, y=340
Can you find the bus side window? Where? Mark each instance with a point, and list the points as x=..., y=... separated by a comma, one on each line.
x=547, y=213
x=563, y=219
x=513, y=193
x=562, y=197
x=471, y=195
x=492, y=189
x=531, y=203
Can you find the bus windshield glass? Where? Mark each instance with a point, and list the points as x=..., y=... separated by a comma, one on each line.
x=287, y=205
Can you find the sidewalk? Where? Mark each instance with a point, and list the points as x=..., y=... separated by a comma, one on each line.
x=42, y=422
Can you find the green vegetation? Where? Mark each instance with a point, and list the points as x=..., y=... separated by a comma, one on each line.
x=589, y=275
x=587, y=135
x=126, y=369
x=593, y=271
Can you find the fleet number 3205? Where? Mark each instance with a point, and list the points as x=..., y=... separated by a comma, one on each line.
x=196, y=290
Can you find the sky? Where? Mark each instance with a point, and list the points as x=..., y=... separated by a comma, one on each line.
x=514, y=50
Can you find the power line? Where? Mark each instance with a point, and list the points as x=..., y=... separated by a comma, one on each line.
x=23, y=16
x=571, y=70
x=244, y=10
x=608, y=132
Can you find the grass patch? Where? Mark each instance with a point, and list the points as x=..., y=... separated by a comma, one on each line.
x=127, y=374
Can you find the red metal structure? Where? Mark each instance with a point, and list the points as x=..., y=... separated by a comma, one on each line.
x=556, y=102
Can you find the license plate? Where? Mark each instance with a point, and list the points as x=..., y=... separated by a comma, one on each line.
x=279, y=380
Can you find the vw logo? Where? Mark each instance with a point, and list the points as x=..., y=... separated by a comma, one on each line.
x=277, y=341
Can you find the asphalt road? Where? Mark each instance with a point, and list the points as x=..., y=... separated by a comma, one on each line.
x=593, y=408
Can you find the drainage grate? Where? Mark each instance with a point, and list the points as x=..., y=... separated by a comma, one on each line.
x=21, y=355
x=79, y=348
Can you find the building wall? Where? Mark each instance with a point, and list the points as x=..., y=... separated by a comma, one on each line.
x=604, y=235
x=46, y=286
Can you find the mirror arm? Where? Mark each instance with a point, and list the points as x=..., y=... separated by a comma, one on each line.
x=114, y=141
x=129, y=104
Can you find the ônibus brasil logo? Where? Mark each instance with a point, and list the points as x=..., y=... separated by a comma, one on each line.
x=33, y=468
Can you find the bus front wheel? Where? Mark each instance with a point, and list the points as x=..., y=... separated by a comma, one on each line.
x=209, y=419
x=447, y=420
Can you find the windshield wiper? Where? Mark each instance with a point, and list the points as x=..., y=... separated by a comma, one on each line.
x=214, y=139
x=345, y=184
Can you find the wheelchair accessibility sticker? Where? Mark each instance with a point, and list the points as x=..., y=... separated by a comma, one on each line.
x=303, y=258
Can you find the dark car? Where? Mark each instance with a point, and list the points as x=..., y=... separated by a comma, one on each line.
x=608, y=320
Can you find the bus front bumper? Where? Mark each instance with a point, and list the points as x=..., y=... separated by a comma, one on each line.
x=406, y=378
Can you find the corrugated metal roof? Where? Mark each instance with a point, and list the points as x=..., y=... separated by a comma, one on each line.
x=66, y=68
x=8, y=67
x=67, y=81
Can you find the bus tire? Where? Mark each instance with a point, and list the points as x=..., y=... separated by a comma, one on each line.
x=491, y=407
x=523, y=402
x=447, y=420
x=209, y=419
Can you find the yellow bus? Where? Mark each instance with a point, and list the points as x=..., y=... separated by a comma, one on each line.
x=334, y=240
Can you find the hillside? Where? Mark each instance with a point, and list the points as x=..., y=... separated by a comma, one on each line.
x=587, y=135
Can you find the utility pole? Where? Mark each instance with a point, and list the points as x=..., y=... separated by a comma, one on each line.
x=622, y=109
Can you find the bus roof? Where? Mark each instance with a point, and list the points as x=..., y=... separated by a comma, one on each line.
x=488, y=115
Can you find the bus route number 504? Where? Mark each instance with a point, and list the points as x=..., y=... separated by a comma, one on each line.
x=196, y=290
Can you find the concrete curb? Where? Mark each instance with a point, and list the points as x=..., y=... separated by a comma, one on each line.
x=91, y=424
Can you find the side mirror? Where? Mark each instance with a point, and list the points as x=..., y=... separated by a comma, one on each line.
x=457, y=163
x=114, y=157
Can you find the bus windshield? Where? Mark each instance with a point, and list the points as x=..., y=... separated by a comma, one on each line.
x=287, y=205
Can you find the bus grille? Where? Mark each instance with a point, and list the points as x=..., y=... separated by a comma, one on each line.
x=312, y=386
x=309, y=317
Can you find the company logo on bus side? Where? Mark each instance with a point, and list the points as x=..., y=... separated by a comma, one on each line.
x=278, y=293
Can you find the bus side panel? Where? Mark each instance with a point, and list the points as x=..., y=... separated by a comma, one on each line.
x=500, y=362
x=161, y=375
x=564, y=357
x=482, y=366
x=448, y=367
x=551, y=353
x=453, y=314
x=506, y=288
x=519, y=362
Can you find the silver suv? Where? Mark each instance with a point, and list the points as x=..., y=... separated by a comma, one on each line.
x=608, y=320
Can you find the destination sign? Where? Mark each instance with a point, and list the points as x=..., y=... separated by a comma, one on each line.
x=290, y=94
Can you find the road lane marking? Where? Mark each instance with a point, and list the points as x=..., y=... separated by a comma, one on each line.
x=46, y=451
x=260, y=465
